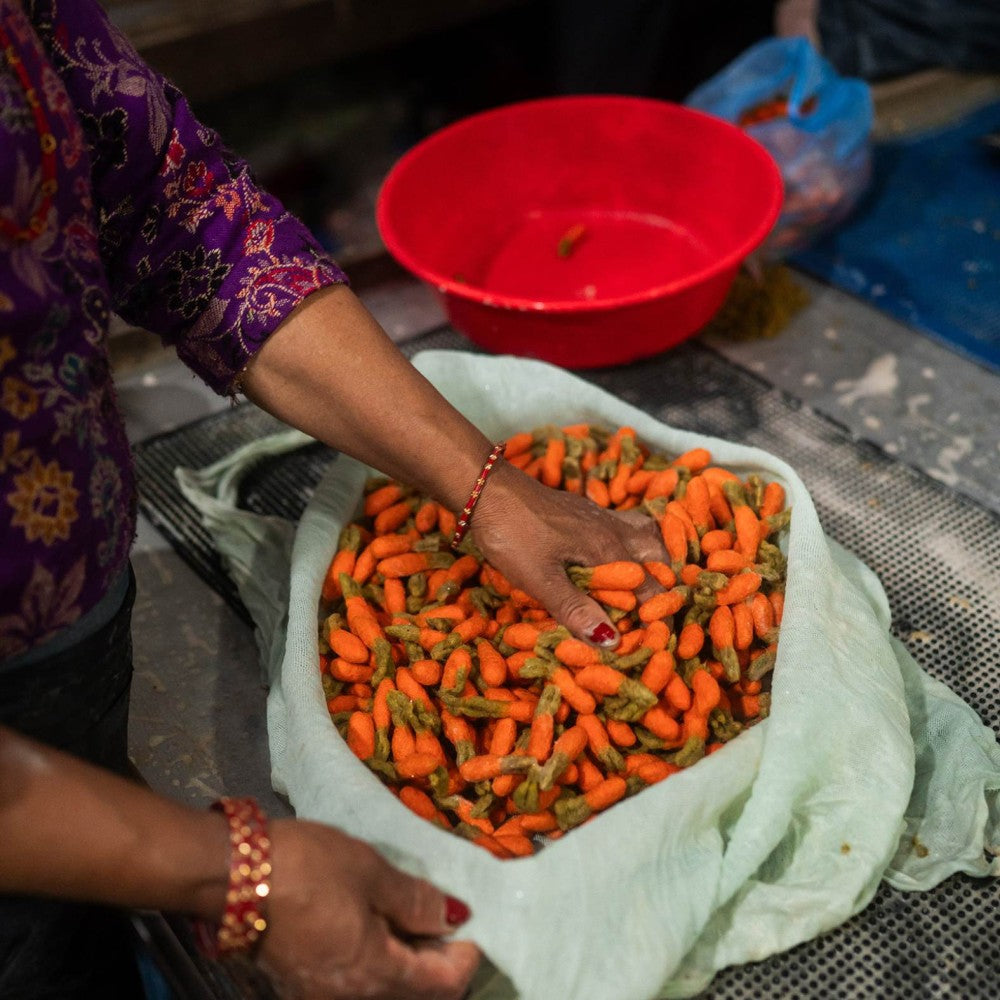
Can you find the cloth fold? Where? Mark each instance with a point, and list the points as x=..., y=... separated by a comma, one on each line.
x=866, y=769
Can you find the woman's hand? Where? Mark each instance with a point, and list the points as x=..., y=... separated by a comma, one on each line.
x=343, y=924
x=331, y=371
x=531, y=533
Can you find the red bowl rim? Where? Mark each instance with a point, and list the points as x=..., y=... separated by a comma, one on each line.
x=449, y=286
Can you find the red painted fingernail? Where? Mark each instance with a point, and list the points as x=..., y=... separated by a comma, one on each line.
x=455, y=911
x=602, y=634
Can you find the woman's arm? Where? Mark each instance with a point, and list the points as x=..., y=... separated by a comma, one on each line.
x=191, y=246
x=198, y=253
x=331, y=370
x=128, y=847
x=342, y=922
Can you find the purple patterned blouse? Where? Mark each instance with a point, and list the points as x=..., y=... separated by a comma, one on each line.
x=112, y=197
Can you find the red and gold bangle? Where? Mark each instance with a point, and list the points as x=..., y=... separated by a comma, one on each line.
x=244, y=919
x=462, y=524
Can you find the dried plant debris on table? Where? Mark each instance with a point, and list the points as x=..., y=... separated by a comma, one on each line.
x=759, y=305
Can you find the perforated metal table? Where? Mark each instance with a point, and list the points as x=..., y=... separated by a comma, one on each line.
x=936, y=551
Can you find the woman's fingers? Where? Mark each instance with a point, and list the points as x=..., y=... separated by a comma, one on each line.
x=404, y=954
x=414, y=907
x=571, y=607
x=645, y=544
x=641, y=535
x=532, y=532
x=345, y=923
x=385, y=968
x=431, y=968
x=415, y=961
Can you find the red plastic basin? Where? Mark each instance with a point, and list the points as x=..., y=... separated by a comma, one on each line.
x=669, y=202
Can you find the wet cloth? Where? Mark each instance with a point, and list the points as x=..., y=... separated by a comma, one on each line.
x=113, y=198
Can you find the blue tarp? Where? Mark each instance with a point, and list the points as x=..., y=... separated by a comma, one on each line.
x=924, y=242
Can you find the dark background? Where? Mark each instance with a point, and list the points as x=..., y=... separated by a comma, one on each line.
x=322, y=97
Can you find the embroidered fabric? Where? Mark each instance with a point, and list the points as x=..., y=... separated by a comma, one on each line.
x=146, y=214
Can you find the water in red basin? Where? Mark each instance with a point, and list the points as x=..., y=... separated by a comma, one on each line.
x=556, y=256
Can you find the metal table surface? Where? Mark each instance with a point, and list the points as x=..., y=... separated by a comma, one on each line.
x=198, y=724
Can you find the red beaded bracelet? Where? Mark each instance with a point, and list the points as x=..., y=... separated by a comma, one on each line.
x=244, y=919
x=462, y=524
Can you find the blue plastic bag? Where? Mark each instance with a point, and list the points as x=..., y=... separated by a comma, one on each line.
x=814, y=122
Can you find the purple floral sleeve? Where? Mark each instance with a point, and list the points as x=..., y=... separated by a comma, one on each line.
x=112, y=197
x=193, y=249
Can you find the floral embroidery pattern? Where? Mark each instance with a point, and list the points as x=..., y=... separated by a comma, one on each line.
x=14, y=115
x=153, y=219
x=105, y=494
x=44, y=502
x=195, y=196
x=259, y=237
x=81, y=238
x=7, y=351
x=12, y=455
x=108, y=135
x=18, y=398
x=47, y=603
x=193, y=278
